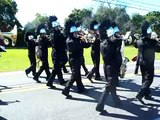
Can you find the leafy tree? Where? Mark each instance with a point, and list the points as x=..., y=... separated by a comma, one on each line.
x=136, y=22
x=154, y=18
x=81, y=17
x=116, y=14
x=38, y=20
x=8, y=10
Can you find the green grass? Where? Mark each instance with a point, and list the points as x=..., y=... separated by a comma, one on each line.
x=17, y=59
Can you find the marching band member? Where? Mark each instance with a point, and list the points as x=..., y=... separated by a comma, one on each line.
x=125, y=60
x=43, y=43
x=59, y=54
x=146, y=48
x=80, y=32
x=95, y=51
x=29, y=39
x=74, y=46
x=110, y=49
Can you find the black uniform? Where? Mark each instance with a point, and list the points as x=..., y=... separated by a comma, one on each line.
x=43, y=44
x=137, y=64
x=59, y=56
x=83, y=63
x=31, y=44
x=95, y=55
x=110, y=50
x=75, y=46
x=146, y=47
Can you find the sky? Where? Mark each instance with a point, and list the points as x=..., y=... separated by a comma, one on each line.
x=61, y=8
x=27, y=9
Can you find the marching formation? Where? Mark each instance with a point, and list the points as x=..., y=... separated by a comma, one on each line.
x=104, y=38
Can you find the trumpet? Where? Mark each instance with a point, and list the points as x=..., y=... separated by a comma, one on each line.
x=88, y=38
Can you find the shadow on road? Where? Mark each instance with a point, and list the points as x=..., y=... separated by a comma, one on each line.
x=137, y=110
x=7, y=102
x=4, y=87
x=156, y=75
x=2, y=118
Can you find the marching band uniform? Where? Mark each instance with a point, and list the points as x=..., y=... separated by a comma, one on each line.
x=83, y=63
x=80, y=32
x=74, y=46
x=58, y=52
x=29, y=39
x=43, y=43
x=110, y=49
x=137, y=64
x=95, y=52
x=146, y=48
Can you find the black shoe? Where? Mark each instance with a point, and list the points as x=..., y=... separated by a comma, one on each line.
x=148, y=97
x=63, y=82
x=66, y=94
x=51, y=86
x=136, y=72
x=36, y=79
x=100, y=108
x=97, y=78
x=26, y=73
x=139, y=98
x=82, y=90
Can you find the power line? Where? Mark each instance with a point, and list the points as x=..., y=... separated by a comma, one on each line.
x=139, y=4
x=149, y=4
x=139, y=8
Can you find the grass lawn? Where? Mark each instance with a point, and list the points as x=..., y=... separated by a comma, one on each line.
x=17, y=59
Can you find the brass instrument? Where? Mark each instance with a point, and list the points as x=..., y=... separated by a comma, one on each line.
x=47, y=36
x=10, y=38
x=87, y=37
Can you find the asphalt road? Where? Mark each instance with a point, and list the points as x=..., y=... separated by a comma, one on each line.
x=21, y=98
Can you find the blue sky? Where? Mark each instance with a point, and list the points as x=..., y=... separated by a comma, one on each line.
x=62, y=8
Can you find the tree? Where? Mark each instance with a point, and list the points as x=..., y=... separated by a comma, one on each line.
x=136, y=22
x=116, y=14
x=154, y=19
x=7, y=15
x=82, y=17
x=38, y=20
